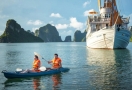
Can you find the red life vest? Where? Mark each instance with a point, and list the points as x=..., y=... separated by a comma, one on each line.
x=56, y=62
x=36, y=65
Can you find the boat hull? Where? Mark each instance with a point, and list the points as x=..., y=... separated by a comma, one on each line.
x=11, y=75
x=122, y=39
x=109, y=39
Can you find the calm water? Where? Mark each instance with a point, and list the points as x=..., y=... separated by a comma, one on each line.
x=90, y=69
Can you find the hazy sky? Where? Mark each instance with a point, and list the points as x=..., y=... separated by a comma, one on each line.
x=67, y=15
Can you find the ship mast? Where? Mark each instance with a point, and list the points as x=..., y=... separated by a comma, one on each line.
x=99, y=4
x=115, y=17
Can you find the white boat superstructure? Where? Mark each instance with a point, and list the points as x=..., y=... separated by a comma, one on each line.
x=107, y=29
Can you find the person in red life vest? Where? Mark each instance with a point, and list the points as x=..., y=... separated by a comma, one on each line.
x=36, y=64
x=56, y=62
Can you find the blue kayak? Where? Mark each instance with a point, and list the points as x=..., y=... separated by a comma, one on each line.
x=11, y=75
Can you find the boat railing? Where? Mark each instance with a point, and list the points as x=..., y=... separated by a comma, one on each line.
x=105, y=19
x=105, y=28
x=108, y=27
x=99, y=19
x=112, y=27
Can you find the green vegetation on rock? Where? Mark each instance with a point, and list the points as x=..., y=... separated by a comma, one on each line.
x=131, y=39
x=68, y=39
x=15, y=34
x=49, y=33
x=80, y=37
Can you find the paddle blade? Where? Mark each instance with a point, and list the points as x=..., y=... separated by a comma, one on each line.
x=18, y=69
x=37, y=54
x=42, y=68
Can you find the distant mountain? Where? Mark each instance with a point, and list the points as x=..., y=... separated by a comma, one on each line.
x=80, y=37
x=15, y=34
x=68, y=39
x=48, y=33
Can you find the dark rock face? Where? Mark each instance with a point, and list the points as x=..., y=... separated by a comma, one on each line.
x=49, y=34
x=80, y=37
x=68, y=39
x=15, y=34
x=30, y=32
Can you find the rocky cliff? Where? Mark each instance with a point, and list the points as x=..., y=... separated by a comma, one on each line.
x=15, y=34
x=68, y=39
x=49, y=33
x=80, y=37
x=131, y=33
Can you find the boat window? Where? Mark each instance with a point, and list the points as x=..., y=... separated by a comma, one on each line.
x=106, y=25
x=105, y=15
x=108, y=15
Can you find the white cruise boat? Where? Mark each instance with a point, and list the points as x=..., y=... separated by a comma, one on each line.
x=107, y=29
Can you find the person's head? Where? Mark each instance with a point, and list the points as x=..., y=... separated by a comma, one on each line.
x=56, y=55
x=36, y=57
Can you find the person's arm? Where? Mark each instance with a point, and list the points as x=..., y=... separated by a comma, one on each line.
x=39, y=64
x=50, y=61
x=60, y=63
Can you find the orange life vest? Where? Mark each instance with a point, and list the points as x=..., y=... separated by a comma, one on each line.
x=36, y=65
x=56, y=62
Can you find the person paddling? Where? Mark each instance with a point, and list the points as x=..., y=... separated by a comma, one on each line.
x=56, y=62
x=36, y=64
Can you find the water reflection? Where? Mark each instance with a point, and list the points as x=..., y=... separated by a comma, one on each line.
x=12, y=56
x=36, y=84
x=56, y=78
x=12, y=83
x=21, y=83
x=13, y=60
x=110, y=69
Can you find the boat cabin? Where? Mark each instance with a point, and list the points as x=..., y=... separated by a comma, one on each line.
x=106, y=19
